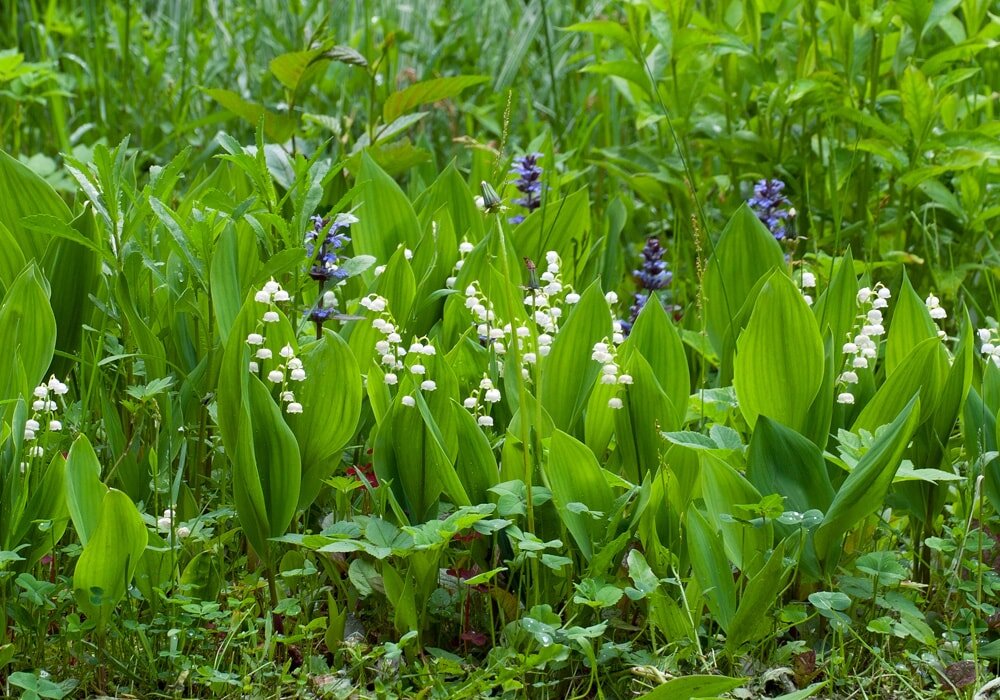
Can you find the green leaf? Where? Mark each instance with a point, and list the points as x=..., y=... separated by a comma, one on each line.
x=783, y=462
x=277, y=127
x=290, y=68
x=606, y=28
x=911, y=324
x=924, y=370
x=918, y=102
x=386, y=219
x=573, y=475
x=569, y=372
x=646, y=409
x=560, y=225
x=725, y=490
x=656, y=338
x=837, y=307
x=767, y=384
x=22, y=194
x=11, y=257
x=399, y=103
x=476, y=466
x=752, y=621
x=108, y=562
x=27, y=333
x=745, y=252
x=693, y=687
x=331, y=405
x=276, y=455
x=865, y=488
x=711, y=568
x=84, y=490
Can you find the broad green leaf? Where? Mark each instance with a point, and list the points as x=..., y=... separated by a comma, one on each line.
x=11, y=257
x=745, y=252
x=865, y=488
x=752, y=621
x=46, y=503
x=201, y=578
x=399, y=286
x=386, y=219
x=277, y=127
x=837, y=307
x=451, y=191
x=72, y=267
x=23, y=194
x=476, y=466
x=568, y=373
x=84, y=489
x=656, y=338
x=331, y=404
x=433, y=90
x=917, y=97
x=766, y=382
x=156, y=567
x=924, y=370
x=693, y=687
x=27, y=333
x=646, y=409
x=711, y=568
x=290, y=68
x=422, y=464
x=277, y=458
x=783, y=462
x=559, y=225
x=573, y=475
x=911, y=324
x=109, y=559
x=725, y=490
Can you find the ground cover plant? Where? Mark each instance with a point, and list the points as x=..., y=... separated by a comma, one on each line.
x=489, y=349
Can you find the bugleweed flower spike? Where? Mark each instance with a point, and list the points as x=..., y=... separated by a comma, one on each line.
x=771, y=206
x=528, y=183
x=652, y=276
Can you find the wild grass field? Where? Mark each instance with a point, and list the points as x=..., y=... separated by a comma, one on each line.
x=487, y=348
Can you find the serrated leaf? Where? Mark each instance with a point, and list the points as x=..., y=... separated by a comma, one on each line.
x=398, y=103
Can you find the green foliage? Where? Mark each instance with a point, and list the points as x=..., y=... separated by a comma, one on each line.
x=288, y=410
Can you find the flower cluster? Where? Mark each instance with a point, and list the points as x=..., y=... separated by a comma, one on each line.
x=605, y=353
x=464, y=248
x=990, y=344
x=488, y=394
x=771, y=206
x=325, y=309
x=652, y=276
x=43, y=416
x=289, y=367
x=165, y=523
x=862, y=349
x=936, y=311
x=807, y=281
x=392, y=353
x=325, y=253
x=390, y=347
x=545, y=301
x=528, y=183
x=480, y=307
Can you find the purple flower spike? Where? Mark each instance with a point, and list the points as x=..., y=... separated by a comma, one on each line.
x=528, y=183
x=771, y=206
x=651, y=277
x=325, y=266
